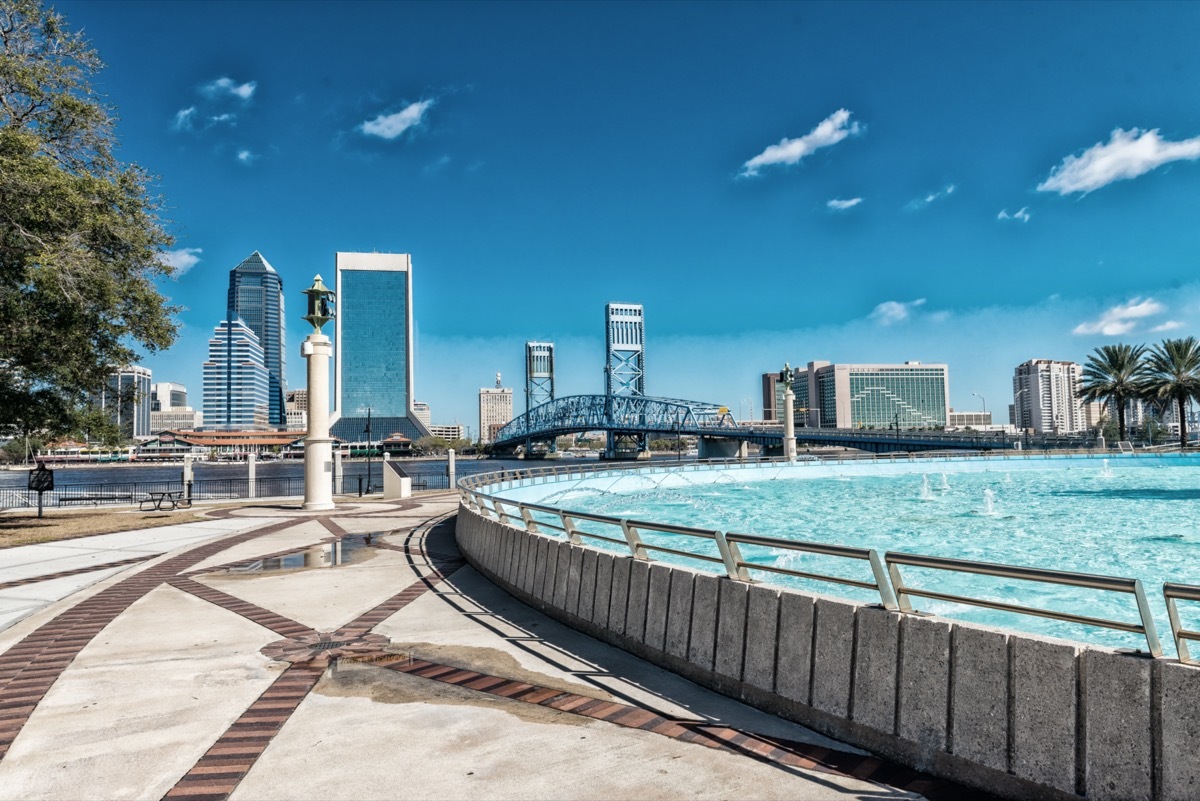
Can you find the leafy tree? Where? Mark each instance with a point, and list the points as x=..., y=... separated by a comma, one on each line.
x=430, y=445
x=1114, y=373
x=1173, y=374
x=81, y=239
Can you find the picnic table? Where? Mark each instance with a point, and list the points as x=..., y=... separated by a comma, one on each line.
x=165, y=501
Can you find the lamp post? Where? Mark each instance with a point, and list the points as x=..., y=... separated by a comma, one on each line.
x=367, y=431
x=982, y=400
x=318, y=446
x=789, y=414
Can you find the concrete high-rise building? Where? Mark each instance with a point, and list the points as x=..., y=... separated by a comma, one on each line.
x=166, y=396
x=1046, y=397
x=421, y=410
x=910, y=395
x=256, y=297
x=772, y=393
x=236, y=383
x=126, y=400
x=373, y=347
x=495, y=410
x=625, y=349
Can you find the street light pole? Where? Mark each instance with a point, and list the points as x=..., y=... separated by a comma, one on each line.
x=982, y=400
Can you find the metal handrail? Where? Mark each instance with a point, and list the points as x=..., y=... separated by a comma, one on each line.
x=1062, y=577
x=888, y=582
x=1173, y=592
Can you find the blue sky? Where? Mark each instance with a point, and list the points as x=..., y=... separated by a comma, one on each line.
x=970, y=183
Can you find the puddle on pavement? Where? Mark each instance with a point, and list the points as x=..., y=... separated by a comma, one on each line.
x=347, y=551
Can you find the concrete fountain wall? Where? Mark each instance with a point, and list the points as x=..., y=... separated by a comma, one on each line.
x=1018, y=715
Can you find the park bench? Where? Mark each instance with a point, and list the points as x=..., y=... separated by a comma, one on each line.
x=95, y=500
x=164, y=501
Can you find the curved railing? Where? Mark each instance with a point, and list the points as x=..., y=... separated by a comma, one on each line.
x=882, y=575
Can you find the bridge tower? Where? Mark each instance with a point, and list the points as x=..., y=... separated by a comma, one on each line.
x=625, y=366
x=539, y=379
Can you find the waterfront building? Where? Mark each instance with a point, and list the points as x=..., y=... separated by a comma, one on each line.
x=495, y=409
x=126, y=400
x=625, y=349
x=979, y=421
x=256, y=297
x=236, y=384
x=166, y=396
x=173, y=419
x=373, y=352
x=448, y=433
x=909, y=395
x=1046, y=397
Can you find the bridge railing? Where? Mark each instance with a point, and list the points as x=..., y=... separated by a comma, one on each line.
x=643, y=538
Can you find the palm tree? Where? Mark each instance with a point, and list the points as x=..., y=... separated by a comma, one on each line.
x=1114, y=373
x=1173, y=373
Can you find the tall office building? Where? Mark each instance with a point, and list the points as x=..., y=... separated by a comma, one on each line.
x=422, y=413
x=236, y=383
x=1046, y=397
x=909, y=395
x=166, y=396
x=126, y=400
x=625, y=349
x=495, y=410
x=772, y=397
x=373, y=348
x=256, y=297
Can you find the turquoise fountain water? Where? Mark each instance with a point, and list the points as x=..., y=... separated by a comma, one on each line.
x=1119, y=517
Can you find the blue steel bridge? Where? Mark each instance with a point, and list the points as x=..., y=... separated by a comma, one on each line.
x=634, y=416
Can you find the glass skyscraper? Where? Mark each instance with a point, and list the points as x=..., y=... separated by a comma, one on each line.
x=126, y=399
x=373, y=364
x=235, y=380
x=910, y=395
x=256, y=297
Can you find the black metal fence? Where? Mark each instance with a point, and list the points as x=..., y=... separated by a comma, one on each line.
x=134, y=492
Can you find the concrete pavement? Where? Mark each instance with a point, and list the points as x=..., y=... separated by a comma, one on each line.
x=264, y=653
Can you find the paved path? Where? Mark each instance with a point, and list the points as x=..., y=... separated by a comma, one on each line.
x=270, y=653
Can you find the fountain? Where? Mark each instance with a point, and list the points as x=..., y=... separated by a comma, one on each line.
x=989, y=503
x=945, y=483
x=926, y=493
x=1106, y=471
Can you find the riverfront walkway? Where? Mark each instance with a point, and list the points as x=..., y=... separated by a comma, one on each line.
x=264, y=652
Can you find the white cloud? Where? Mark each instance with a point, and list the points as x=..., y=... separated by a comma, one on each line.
x=246, y=156
x=220, y=118
x=184, y=119
x=182, y=259
x=842, y=205
x=921, y=202
x=437, y=165
x=1121, y=319
x=894, y=311
x=390, y=126
x=830, y=131
x=1169, y=325
x=223, y=87
x=1128, y=154
x=1023, y=215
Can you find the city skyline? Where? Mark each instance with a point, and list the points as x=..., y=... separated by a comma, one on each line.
x=976, y=184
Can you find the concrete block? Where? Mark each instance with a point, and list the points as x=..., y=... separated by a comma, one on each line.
x=793, y=662
x=539, y=567
x=1118, y=752
x=658, y=601
x=587, y=584
x=1178, y=710
x=562, y=578
x=504, y=553
x=635, y=611
x=877, y=648
x=549, y=565
x=620, y=594
x=1045, y=693
x=525, y=567
x=762, y=628
x=604, y=568
x=923, y=686
x=702, y=642
x=979, y=695
x=731, y=628
x=679, y=614
x=536, y=553
x=574, y=577
x=516, y=564
x=833, y=652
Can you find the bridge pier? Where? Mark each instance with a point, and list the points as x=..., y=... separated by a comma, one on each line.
x=713, y=448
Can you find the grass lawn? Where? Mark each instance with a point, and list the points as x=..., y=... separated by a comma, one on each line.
x=24, y=527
